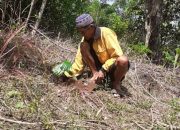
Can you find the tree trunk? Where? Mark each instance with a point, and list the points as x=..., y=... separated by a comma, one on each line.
x=3, y=10
x=152, y=26
x=39, y=16
x=30, y=11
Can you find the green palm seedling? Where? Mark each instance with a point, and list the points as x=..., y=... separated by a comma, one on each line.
x=60, y=68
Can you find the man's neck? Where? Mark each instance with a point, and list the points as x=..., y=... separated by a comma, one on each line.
x=92, y=38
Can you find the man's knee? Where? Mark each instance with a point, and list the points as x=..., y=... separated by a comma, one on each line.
x=122, y=61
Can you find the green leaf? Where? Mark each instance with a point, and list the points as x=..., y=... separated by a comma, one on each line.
x=140, y=48
x=168, y=56
x=20, y=105
x=59, y=69
x=13, y=93
x=178, y=51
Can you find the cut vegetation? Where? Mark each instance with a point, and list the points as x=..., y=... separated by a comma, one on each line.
x=31, y=98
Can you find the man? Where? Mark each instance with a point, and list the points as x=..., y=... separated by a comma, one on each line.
x=100, y=51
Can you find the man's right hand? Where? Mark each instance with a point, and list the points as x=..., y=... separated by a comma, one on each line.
x=63, y=78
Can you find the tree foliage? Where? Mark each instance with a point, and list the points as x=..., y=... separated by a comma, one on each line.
x=107, y=15
x=126, y=17
x=169, y=34
x=60, y=15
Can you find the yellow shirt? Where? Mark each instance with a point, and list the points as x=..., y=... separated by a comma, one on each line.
x=106, y=47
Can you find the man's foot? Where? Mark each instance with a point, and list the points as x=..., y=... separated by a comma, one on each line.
x=121, y=91
x=115, y=93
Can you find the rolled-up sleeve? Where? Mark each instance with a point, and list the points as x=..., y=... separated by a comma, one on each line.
x=77, y=67
x=113, y=48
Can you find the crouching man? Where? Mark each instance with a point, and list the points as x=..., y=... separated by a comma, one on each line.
x=100, y=51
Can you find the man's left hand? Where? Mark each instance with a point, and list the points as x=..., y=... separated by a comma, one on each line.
x=98, y=77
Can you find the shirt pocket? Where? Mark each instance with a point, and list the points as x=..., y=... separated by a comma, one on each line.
x=102, y=55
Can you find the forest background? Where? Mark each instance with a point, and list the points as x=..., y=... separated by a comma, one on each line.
x=148, y=26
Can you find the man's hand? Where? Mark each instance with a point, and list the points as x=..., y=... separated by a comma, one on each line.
x=64, y=78
x=98, y=77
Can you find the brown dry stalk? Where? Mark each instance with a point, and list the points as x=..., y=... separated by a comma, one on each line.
x=7, y=52
x=54, y=122
x=18, y=122
x=11, y=37
x=139, y=125
x=169, y=126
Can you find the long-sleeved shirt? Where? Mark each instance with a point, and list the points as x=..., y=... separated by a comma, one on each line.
x=106, y=47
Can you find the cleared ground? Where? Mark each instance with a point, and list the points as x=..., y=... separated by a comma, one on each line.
x=31, y=99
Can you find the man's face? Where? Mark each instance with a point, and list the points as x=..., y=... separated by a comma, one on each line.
x=87, y=32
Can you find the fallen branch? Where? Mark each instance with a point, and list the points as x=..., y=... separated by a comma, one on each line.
x=99, y=111
x=11, y=37
x=139, y=125
x=18, y=122
x=39, y=123
x=98, y=123
x=7, y=52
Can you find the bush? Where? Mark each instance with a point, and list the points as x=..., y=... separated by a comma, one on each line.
x=140, y=48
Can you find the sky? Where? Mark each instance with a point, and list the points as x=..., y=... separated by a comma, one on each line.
x=110, y=2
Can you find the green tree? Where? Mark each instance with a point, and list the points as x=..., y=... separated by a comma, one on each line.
x=166, y=24
x=107, y=15
x=60, y=16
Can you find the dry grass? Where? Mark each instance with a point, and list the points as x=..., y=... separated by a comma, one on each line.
x=30, y=99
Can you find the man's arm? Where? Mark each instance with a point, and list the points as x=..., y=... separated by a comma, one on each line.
x=113, y=48
x=77, y=67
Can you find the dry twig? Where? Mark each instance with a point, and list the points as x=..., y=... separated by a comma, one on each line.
x=169, y=126
x=11, y=37
x=39, y=123
x=139, y=125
